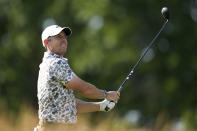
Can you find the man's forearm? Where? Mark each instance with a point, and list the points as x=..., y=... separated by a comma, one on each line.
x=93, y=93
x=90, y=91
x=86, y=89
x=83, y=106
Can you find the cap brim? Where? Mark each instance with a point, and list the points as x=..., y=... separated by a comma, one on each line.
x=67, y=31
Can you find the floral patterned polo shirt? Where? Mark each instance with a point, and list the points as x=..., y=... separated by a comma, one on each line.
x=56, y=102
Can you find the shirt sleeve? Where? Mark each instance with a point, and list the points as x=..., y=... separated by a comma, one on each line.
x=61, y=71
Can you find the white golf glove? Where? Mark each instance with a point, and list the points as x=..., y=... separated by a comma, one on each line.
x=106, y=105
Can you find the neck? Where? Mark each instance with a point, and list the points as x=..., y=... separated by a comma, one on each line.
x=55, y=53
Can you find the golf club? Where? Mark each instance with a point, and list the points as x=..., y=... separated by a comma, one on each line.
x=166, y=15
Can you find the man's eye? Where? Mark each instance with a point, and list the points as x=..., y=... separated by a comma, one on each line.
x=60, y=37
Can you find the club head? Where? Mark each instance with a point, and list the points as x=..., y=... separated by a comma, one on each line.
x=165, y=13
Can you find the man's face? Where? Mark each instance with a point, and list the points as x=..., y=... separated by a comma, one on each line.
x=58, y=43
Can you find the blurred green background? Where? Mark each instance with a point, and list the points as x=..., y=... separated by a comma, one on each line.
x=107, y=40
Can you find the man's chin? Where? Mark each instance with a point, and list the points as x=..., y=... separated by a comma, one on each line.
x=63, y=51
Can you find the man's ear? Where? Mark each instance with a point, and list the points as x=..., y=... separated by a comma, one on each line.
x=45, y=43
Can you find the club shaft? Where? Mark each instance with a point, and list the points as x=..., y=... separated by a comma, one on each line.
x=141, y=57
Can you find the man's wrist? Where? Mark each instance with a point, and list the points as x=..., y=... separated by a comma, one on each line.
x=103, y=105
x=105, y=94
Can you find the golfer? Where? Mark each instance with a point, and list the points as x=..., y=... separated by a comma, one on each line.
x=57, y=81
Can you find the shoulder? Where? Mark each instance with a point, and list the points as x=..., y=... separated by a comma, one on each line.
x=59, y=64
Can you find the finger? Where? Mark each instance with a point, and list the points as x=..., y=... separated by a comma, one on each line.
x=118, y=93
x=114, y=100
x=117, y=97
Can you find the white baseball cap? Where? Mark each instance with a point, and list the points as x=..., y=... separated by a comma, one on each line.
x=53, y=30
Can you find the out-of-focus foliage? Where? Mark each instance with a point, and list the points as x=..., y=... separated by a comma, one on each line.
x=108, y=38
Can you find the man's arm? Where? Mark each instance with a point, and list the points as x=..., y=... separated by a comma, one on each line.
x=83, y=107
x=84, y=88
x=90, y=91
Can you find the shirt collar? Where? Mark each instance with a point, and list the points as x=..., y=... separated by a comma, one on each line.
x=49, y=54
